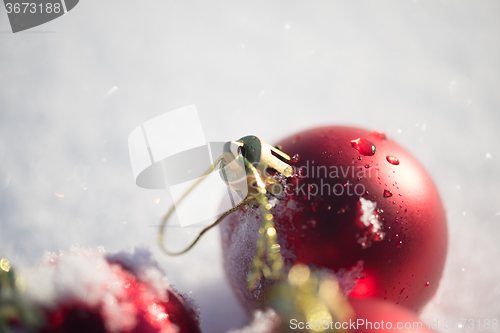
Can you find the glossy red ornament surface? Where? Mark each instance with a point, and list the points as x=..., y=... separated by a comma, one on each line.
x=375, y=316
x=354, y=213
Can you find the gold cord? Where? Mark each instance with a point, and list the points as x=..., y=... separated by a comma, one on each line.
x=270, y=268
x=259, y=265
x=172, y=209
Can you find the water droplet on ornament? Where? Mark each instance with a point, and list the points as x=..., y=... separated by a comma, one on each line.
x=393, y=160
x=379, y=135
x=367, y=166
x=400, y=244
x=427, y=284
x=295, y=158
x=402, y=290
x=359, y=158
x=387, y=194
x=363, y=146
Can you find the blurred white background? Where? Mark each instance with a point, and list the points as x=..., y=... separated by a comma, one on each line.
x=425, y=72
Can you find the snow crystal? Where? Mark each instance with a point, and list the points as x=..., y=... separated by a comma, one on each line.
x=370, y=219
x=347, y=278
x=190, y=303
x=144, y=267
x=263, y=322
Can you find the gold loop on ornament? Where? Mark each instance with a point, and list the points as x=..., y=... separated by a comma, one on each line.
x=253, y=151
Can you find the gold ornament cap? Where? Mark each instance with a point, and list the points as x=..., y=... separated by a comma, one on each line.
x=257, y=152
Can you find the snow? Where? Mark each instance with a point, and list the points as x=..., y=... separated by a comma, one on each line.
x=371, y=220
x=263, y=322
x=144, y=267
x=425, y=73
x=346, y=278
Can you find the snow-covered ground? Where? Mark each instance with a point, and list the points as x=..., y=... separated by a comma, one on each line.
x=427, y=73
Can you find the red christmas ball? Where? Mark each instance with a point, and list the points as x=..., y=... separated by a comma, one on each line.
x=374, y=316
x=145, y=314
x=85, y=290
x=359, y=206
